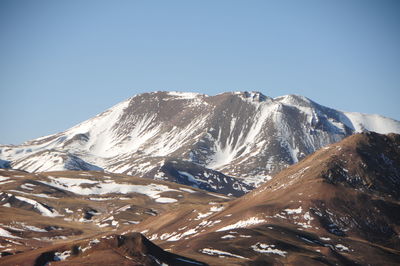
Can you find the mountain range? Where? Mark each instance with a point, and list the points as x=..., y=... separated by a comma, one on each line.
x=228, y=143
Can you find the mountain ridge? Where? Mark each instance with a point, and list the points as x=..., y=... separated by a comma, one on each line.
x=243, y=135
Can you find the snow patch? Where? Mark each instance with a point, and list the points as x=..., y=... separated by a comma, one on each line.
x=5, y=233
x=187, y=190
x=293, y=211
x=228, y=237
x=341, y=247
x=24, y=186
x=3, y=178
x=219, y=253
x=60, y=256
x=242, y=224
x=151, y=190
x=216, y=209
x=325, y=238
x=40, y=207
x=264, y=248
x=165, y=200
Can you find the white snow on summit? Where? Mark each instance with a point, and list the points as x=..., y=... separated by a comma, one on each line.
x=377, y=123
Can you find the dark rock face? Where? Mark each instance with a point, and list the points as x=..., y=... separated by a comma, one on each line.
x=190, y=174
x=5, y=164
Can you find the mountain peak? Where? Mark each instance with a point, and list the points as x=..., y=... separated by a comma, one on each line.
x=294, y=100
x=254, y=95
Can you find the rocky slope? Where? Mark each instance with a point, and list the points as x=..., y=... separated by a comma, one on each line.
x=41, y=210
x=339, y=205
x=240, y=135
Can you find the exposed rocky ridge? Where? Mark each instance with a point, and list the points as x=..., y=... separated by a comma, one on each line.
x=242, y=135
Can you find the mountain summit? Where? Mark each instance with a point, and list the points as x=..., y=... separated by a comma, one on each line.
x=246, y=136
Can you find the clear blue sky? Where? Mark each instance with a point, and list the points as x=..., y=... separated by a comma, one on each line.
x=62, y=62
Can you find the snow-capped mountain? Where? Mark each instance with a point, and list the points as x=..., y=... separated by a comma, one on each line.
x=240, y=134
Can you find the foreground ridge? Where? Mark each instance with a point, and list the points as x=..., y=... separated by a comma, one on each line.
x=125, y=249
